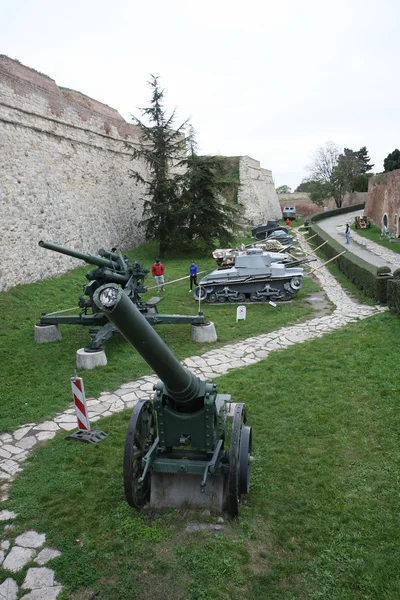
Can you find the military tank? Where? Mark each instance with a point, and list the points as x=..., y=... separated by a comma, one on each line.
x=254, y=277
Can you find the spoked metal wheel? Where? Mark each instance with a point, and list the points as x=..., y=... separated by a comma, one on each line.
x=140, y=437
x=240, y=298
x=234, y=486
x=211, y=298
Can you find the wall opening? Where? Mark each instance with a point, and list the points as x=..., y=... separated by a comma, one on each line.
x=385, y=220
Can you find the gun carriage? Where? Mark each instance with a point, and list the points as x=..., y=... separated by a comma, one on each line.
x=175, y=451
x=112, y=267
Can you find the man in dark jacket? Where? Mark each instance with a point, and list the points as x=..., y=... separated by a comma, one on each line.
x=193, y=275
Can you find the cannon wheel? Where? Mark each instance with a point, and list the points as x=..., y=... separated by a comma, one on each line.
x=245, y=459
x=234, y=487
x=140, y=437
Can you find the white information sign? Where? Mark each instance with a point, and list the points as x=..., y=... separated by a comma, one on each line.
x=240, y=313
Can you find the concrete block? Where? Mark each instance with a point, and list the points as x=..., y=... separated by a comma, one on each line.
x=203, y=332
x=90, y=360
x=47, y=333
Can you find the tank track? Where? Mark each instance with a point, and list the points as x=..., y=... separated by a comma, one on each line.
x=219, y=293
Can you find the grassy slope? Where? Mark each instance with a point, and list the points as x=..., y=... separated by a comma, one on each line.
x=322, y=518
x=36, y=377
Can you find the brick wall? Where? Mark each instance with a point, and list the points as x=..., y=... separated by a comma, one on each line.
x=384, y=199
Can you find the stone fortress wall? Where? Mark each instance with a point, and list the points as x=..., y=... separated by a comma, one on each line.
x=64, y=177
x=257, y=192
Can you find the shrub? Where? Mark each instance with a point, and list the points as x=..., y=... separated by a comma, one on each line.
x=383, y=270
x=393, y=294
x=358, y=271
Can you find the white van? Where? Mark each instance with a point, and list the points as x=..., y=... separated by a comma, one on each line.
x=289, y=212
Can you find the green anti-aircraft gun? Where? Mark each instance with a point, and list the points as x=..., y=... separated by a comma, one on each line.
x=115, y=268
x=175, y=452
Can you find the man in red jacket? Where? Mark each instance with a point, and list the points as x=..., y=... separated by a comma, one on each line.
x=157, y=270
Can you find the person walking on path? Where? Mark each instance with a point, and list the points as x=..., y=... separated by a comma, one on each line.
x=157, y=270
x=193, y=275
x=347, y=234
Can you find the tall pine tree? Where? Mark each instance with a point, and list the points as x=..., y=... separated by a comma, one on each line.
x=209, y=218
x=162, y=148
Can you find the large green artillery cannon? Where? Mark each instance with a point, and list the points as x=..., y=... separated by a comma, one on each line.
x=112, y=267
x=175, y=452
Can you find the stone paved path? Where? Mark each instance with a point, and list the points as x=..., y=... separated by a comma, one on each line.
x=16, y=447
x=367, y=250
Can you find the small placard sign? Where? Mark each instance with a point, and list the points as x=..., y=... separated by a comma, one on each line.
x=240, y=313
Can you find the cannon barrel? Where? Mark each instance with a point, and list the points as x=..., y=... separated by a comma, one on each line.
x=91, y=259
x=185, y=389
x=108, y=275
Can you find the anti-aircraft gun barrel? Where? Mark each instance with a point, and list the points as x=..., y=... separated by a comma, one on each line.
x=183, y=387
x=91, y=259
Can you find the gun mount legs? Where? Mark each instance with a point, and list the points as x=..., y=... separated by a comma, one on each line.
x=47, y=333
x=140, y=438
x=203, y=332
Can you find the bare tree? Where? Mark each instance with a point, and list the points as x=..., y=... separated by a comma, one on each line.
x=325, y=159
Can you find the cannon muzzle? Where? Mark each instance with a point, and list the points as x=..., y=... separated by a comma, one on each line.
x=91, y=259
x=185, y=389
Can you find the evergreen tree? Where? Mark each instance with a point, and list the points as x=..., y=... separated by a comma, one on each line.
x=361, y=157
x=161, y=148
x=209, y=219
x=392, y=161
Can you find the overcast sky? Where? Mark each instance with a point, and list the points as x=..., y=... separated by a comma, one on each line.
x=273, y=80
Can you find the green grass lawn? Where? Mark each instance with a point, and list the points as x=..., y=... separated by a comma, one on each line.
x=35, y=377
x=323, y=515
x=373, y=233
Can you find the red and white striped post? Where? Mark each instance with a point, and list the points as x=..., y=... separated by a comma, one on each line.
x=78, y=392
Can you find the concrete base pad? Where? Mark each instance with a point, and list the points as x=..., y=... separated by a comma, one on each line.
x=47, y=333
x=203, y=332
x=90, y=360
x=178, y=490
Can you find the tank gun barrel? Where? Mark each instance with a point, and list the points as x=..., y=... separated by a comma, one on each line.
x=183, y=387
x=91, y=259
